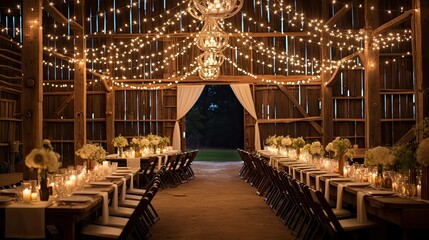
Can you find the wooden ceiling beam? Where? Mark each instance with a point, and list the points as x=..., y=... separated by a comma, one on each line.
x=337, y=70
x=59, y=17
x=338, y=15
x=396, y=21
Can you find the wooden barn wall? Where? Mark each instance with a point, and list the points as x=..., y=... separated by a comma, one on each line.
x=139, y=112
x=10, y=85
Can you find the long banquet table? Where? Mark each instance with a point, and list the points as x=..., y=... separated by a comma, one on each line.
x=67, y=216
x=404, y=218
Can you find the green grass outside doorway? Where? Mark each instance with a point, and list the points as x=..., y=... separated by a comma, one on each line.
x=217, y=155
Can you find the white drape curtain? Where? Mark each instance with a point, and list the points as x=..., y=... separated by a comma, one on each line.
x=244, y=95
x=186, y=98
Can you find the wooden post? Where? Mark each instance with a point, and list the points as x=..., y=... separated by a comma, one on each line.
x=80, y=86
x=110, y=120
x=32, y=89
x=372, y=80
x=419, y=21
x=326, y=92
x=110, y=114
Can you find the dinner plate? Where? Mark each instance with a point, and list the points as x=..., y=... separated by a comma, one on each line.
x=4, y=199
x=357, y=184
x=101, y=183
x=85, y=192
x=380, y=193
x=123, y=168
x=75, y=199
x=114, y=177
x=340, y=179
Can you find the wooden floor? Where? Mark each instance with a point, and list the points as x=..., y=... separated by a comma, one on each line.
x=217, y=204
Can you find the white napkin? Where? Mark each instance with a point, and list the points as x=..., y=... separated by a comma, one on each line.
x=270, y=163
x=323, y=175
x=124, y=189
x=131, y=181
x=114, y=205
x=307, y=177
x=105, y=208
x=133, y=163
x=159, y=163
x=340, y=195
x=361, y=210
x=25, y=220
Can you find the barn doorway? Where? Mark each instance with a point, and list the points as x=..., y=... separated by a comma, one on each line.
x=214, y=125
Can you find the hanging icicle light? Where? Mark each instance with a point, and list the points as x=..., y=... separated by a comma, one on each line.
x=212, y=37
x=219, y=9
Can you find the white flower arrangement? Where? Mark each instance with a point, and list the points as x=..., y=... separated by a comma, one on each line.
x=120, y=141
x=422, y=153
x=340, y=147
x=379, y=156
x=286, y=141
x=42, y=158
x=298, y=142
x=271, y=140
x=316, y=149
x=91, y=152
x=139, y=142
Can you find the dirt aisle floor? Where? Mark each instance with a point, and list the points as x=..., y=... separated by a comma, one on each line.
x=217, y=204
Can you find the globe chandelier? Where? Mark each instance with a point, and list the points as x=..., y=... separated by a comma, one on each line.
x=212, y=37
x=218, y=9
x=209, y=65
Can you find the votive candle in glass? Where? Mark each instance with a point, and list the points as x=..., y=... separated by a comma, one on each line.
x=26, y=195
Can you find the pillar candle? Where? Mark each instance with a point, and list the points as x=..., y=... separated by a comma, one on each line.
x=34, y=196
x=26, y=195
x=419, y=190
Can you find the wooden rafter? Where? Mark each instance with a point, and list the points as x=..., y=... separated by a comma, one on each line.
x=398, y=20
x=300, y=108
x=59, y=17
x=406, y=138
x=63, y=106
x=337, y=70
x=231, y=79
x=338, y=15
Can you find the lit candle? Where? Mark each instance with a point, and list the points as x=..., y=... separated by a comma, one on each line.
x=26, y=195
x=419, y=190
x=105, y=166
x=158, y=151
x=34, y=196
x=345, y=172
x=395, y=187
x=73, y=181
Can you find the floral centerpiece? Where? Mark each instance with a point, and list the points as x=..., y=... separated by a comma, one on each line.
x=297, y=144
x=271, y=141
x=45, y=160
x=340, y=149
x=379, y=156
x=286, y=142
x=138, y=143
x=154, y=140
x=91, y=152
x=405, y=155
x=120, y=142
x=165, y=141
x=316, y=149
x=422, y=156
x=422, y=153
